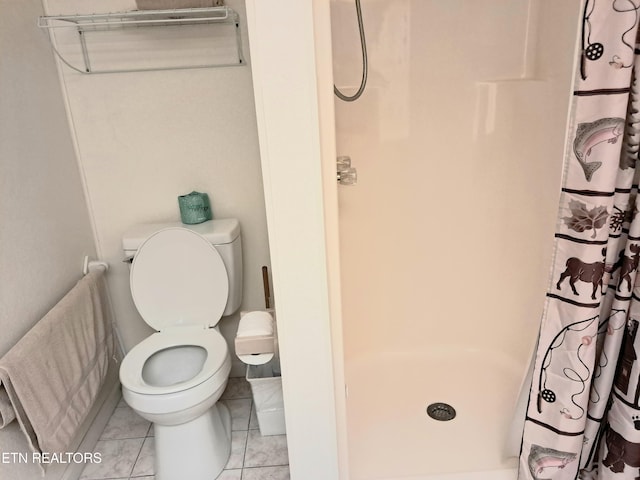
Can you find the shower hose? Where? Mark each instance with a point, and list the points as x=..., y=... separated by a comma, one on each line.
x=365, y=62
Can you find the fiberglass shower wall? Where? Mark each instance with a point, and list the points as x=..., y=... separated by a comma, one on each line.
x=458, y=142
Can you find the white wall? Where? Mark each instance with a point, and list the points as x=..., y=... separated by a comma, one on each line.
x=458, y=142
x=291, y=89
x=45, y=226
x=45, y=230
x=145, y=138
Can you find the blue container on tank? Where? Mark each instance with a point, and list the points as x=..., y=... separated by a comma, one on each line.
x=194, y=208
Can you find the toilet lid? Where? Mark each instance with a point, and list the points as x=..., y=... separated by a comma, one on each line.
x=178, y=278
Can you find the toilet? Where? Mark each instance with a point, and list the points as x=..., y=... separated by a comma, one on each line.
x=183, y=280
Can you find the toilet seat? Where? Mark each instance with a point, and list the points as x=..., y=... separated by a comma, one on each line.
x=211, y=340
x=179, y=279
x=180, y=286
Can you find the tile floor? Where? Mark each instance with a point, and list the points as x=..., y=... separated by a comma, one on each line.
x=126, y=444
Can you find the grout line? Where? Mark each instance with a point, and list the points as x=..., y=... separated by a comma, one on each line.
x=133, y=467
x=266, y=466
x=246, y=442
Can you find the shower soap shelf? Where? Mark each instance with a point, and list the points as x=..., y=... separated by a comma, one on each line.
x=125, y=42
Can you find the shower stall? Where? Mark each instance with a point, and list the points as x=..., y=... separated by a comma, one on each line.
x=424, y=284
x=446, y=241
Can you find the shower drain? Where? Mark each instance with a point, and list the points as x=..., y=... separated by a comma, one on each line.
x=441, y=411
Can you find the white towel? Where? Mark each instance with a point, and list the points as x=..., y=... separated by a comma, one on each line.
x=53, y=374
x=7, y=414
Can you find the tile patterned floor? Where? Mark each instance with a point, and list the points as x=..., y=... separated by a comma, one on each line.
x=126, y=444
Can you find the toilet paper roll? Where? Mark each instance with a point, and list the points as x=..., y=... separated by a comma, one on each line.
x=255, y=324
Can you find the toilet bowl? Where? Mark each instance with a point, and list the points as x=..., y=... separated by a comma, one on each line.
x=174, y=378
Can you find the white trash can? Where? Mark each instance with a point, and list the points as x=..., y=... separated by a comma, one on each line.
x=266, y=387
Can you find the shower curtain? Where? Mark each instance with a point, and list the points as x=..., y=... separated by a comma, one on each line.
x=583, y=415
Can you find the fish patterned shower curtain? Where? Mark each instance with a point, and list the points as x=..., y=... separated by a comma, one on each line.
x=583, y=416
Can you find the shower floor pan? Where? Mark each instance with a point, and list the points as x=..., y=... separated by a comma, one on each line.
x=391, y=436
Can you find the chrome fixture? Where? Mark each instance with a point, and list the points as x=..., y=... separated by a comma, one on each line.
x=347, y=175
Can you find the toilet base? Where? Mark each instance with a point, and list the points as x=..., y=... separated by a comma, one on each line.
x=196, y=450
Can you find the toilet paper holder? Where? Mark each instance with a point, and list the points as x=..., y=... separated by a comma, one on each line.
x=255, y=345
x=259, y=344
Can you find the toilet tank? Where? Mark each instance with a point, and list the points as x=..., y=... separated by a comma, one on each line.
x=224, y=235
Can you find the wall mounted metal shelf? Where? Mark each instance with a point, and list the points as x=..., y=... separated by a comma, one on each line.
x=123, y=42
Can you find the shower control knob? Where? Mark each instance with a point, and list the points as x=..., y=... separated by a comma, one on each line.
x=347, y=175
x=343, y=162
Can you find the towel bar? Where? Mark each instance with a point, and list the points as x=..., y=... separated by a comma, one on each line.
x=88, y=265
